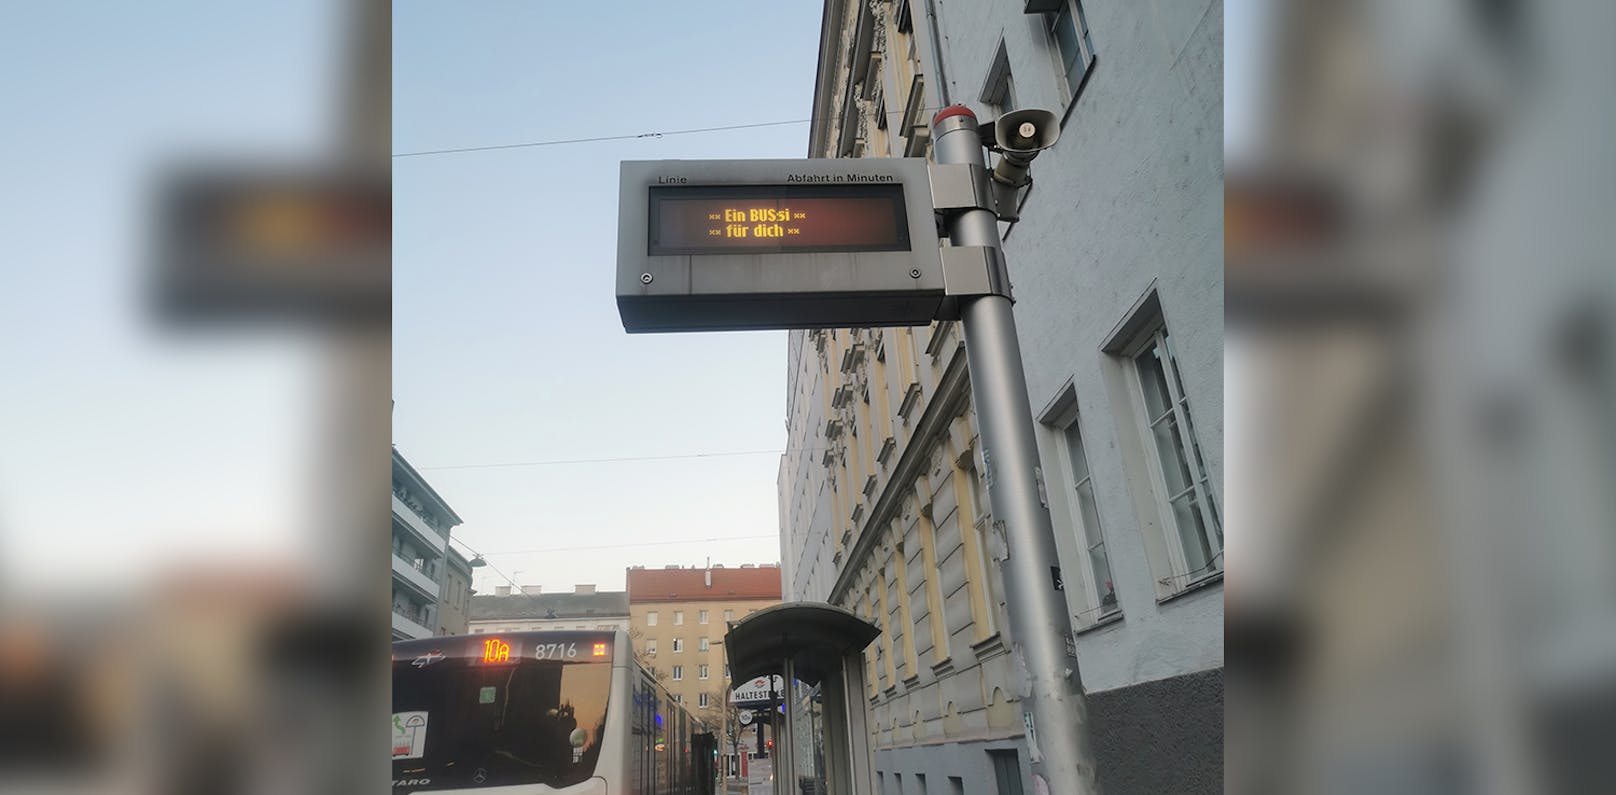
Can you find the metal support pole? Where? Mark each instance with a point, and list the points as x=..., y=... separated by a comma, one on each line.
x=786, y=780
x=1051, y=691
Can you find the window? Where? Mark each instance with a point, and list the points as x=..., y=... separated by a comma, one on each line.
x=702, y=645
x=1006, y=771
x=701, y=617
x=1101, y=592
x=650, y=619
x=678, y=617
x=678, y=645
x=729, y=615
x=1074, y=49
x=650, y=646
x=678, y=673
x=477, y=631
x=701, y=700
x=998, y=91
x=1188, y=509
x=701, y=672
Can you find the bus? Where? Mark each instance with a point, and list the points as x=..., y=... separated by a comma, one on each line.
x=563, y=712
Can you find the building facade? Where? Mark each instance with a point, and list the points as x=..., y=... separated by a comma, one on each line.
x=533, y=610
x=1116, y=266
x=454, y=595
x=422, y=521
x=678, y=619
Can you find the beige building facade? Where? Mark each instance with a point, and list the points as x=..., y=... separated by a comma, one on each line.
x=678, y=618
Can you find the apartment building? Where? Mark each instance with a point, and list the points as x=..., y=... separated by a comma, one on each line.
x=422, y=521
x=533, y=610
x=454, y=594
x=678, y=618
x=1116, y=267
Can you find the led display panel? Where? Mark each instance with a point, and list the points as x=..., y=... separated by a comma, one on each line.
x=777, y=218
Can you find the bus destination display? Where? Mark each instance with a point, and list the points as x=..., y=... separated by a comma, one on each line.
x=777, y=219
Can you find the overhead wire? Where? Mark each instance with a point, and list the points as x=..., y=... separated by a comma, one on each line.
x=620, y=459
x=561, y=141
x=624, y=137
x=635, y=544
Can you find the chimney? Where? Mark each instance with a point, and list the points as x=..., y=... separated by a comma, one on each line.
x=532, y=590
x=583, y=589
x=502, y=590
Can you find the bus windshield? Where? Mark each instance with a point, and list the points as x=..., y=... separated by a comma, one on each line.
x=464, y=722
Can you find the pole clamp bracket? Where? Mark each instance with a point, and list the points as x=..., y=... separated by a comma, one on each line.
x=969, y=272
x=960, y=187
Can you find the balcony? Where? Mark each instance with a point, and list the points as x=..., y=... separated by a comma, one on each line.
x=409, y=518
x=406, y=571
x=407, y=627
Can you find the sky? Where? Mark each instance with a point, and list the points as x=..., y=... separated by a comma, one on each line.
x=152, y=446
x=125, y=446
x=507, y=347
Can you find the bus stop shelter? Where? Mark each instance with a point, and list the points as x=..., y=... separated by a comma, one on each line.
x=816, y=648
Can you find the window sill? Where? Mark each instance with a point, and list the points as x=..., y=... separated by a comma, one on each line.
x=989, y=647
x=1216, y=578
x=1114, y=618
x=943, y=667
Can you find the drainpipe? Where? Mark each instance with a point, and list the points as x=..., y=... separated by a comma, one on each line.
x=936, y=65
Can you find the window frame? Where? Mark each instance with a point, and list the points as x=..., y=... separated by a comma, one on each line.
x=678, y=645
x=677, y=673
x=678, y=618
x=1061, y=420
x=702, y=671
x=1085, y=43
x=1000, y=83
x=703, y=645
x=650, y=646
x=1180, y=577
x=651, y=618
x=980, y=503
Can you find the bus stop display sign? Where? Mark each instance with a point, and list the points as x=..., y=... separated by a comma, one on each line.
x=772, y=244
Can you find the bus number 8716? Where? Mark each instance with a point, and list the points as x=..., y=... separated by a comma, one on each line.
x=555, y=651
